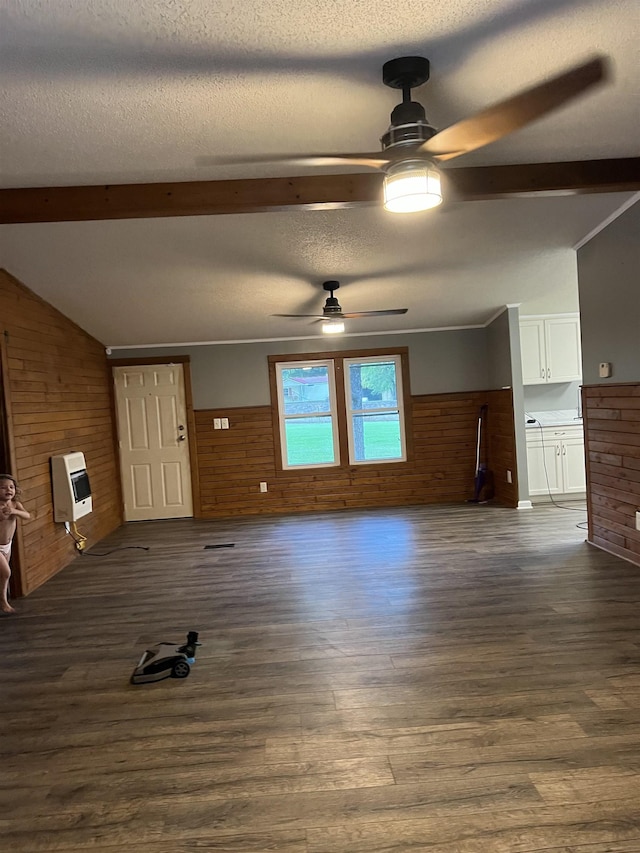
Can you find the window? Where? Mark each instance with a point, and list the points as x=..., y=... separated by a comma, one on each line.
x=347, y=409
x=374, y=406
x=307, y=406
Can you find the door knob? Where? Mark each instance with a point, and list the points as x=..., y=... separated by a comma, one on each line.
x=181, y=437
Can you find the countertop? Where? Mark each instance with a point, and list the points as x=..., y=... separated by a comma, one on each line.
x=557, y=417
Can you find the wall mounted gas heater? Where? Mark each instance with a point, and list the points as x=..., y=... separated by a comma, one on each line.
x=71, y=487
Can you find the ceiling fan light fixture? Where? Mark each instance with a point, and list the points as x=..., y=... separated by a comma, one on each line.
x=412, y=185
x=333, y=327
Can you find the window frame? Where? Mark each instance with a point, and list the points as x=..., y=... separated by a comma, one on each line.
x=351, y=413
x=343, y=456
x=283, y=417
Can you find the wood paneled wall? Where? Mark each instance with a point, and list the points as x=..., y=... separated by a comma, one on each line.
x=612, y=448
x=58, y=391
x=233, y=462
x=502, y=446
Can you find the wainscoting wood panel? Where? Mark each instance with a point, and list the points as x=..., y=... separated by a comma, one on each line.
x=502, y=446
x=612, y=441
x=58, y=385
x=233, y=462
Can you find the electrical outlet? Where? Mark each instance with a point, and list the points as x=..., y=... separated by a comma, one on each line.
x=638, y=520
x=263, y=487
x=509, y=476
x=225, y=423
x=217, y=423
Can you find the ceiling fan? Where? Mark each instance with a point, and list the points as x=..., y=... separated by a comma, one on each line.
x=409, y=142
x=332, y=314
x=411, y=145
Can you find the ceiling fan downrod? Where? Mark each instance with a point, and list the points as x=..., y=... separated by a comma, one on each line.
x=409, y=123
x=331, y=305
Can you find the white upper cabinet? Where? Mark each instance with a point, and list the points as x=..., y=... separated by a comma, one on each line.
x=532, y=347
x=550, y=348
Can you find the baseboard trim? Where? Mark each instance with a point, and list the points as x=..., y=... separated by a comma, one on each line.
x=614, y=550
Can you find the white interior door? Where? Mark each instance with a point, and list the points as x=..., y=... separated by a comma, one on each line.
x=152, y=435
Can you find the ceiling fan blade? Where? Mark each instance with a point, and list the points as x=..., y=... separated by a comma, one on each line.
x=316, y=316
x=377, y=160
x=507, y=116
x=352, y=315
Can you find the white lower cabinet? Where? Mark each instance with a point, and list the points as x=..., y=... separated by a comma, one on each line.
x=573, y=465
x=555, y=461
x=545, y=469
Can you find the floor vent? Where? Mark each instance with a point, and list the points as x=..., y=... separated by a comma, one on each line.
x=223, y=545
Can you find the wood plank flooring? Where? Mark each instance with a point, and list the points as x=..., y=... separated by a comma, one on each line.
x=444, y=679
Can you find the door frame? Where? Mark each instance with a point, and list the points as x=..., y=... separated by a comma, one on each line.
x=16, y=585
x=185, y=361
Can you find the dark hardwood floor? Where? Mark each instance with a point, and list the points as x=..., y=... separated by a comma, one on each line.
x=443, y=679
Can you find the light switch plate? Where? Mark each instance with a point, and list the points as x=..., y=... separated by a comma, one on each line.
x=217, y=423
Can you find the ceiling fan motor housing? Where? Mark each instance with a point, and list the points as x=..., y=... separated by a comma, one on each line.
x=332, y=306
x=408, y=127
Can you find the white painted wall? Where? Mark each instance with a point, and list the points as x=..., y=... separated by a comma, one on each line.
x=609, y=277
x=237, y=374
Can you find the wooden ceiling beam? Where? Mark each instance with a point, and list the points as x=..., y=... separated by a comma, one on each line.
x=482, y=183
x=189, y=198
x=312, y=192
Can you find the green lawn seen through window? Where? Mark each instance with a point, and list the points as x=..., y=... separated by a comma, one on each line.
x=311, y=443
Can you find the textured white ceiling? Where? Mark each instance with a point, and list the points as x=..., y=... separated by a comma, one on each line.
x=112, y=91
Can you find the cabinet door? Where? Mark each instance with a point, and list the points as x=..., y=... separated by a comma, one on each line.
x=573, y=465
x=562, y=338
x=544, y=464
x=532, y=348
